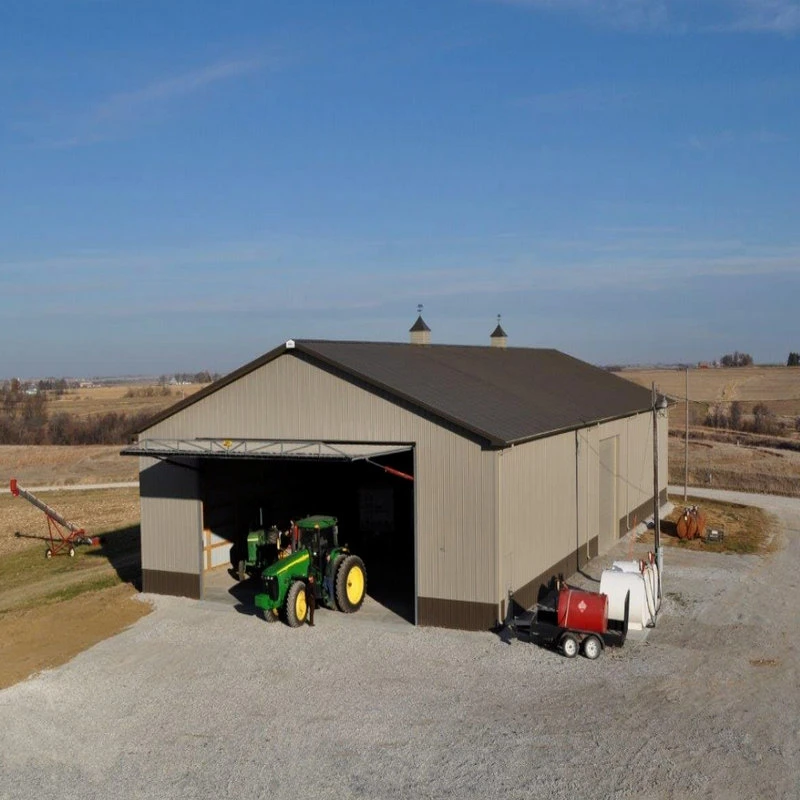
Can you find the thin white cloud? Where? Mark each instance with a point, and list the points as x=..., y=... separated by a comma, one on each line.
x=114, y=116
x=776, y=16
x=623, y=14
x=755, y=16
x=127, y=104
x=235, y=278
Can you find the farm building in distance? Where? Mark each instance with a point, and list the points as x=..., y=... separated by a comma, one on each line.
x=525, y=463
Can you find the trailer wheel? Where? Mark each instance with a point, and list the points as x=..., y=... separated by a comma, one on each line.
x=48, y=553
x=351, y=584
x=568, y=645
x=72, y=552
x=296, y=606
x=592, y=647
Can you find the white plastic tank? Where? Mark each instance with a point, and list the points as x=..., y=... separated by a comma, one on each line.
x=649, y=570
x=616, y=584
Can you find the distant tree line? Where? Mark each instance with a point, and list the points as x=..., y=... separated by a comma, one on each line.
x=24, y=420
x=149, y=391
x=190, y=377
x=763, y=420
x=793, y=360
x=736, y=359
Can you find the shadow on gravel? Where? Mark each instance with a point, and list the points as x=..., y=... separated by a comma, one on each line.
x=41, y=538
x=244, y=592
x=122, y=549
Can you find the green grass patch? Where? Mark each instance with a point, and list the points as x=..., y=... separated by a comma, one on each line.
x=747, y=529
x=31, y=566
x=75, y=589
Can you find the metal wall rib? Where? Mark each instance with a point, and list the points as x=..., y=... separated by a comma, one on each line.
x=289, y=398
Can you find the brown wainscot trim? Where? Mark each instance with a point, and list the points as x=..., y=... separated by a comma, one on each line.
x=460, y=614
x=534, y=590
x=180, y=584
x=640, y=514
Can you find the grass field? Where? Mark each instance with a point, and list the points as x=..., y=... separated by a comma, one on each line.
x=744, y=462
x=56, y=465
x=778, y=387
x=128, y=398
x=98, y=511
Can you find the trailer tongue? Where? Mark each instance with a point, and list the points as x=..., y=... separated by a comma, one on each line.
x=64, y=535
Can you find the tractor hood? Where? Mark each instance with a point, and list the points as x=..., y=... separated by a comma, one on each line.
x=300, y=559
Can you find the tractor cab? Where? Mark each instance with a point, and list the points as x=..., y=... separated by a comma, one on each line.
x=320, y=536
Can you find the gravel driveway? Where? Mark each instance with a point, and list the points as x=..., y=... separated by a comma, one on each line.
x=197, y=700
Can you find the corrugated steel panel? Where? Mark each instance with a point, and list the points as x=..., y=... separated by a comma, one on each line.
x=502, y=395
x=455, y=479
x=538, y=508
x=608, y=488
x=550, y=495
x=171, y=517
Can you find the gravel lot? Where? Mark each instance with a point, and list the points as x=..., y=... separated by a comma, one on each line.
x=197, y=700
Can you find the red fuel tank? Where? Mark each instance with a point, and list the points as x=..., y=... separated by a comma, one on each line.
x=582, y=611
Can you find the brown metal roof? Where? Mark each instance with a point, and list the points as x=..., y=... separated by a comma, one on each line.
x=502, y=395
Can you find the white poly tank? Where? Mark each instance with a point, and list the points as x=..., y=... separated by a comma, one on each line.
x=616, y=584
x=649, y=571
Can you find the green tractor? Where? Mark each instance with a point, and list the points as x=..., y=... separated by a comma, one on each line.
x=340, y=580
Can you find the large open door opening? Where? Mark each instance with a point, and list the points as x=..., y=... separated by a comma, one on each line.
x=372, y=498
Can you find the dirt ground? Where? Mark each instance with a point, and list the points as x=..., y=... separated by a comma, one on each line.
x=127, y=398
x=23, y=526
x=54, y=465
x=721, y=465
x=746, y=384
x=43, y=637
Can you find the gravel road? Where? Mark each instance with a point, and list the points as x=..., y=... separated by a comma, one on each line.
x=79, y=487
x=197, y=700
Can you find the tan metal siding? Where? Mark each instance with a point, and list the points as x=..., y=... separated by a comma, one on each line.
x=171, y=517
x=608, y=526
x=538, y=517
x=549, y=494
x=635, y=462
x=289, y=398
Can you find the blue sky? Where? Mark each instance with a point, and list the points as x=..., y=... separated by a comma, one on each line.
x=184, y=185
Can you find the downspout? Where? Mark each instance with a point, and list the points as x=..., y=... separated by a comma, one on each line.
x=577, y=497
x=502, y=591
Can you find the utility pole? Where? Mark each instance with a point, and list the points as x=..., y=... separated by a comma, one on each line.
x=686, y=445
x=656, y=498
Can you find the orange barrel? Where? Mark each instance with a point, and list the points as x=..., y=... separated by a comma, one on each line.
x=582, y=611
x=701, y=523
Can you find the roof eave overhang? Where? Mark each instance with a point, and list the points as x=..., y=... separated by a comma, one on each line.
x=577, y=427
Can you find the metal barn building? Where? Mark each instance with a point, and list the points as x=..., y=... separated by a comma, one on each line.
x=461, y=474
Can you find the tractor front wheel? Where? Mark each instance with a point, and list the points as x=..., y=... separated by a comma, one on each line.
x=351, y=584
x=296, y=607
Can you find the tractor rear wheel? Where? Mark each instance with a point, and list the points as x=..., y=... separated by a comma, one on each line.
x=296, y=606
x=351, y=584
